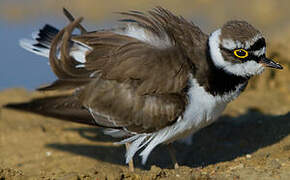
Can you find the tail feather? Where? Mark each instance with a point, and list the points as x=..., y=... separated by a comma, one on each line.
x=41, y=41
x=61, y=107
x=45, y=35
x=64, y=84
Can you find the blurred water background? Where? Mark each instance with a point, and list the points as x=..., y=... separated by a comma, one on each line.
x=19, y=18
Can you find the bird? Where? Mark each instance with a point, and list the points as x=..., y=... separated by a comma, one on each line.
x=154, y=79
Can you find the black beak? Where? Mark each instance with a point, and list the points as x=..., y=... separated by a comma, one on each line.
x=270, y=63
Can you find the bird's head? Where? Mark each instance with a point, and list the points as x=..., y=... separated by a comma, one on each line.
x=240, y=49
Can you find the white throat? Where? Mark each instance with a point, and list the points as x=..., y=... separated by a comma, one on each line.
x=248, y=68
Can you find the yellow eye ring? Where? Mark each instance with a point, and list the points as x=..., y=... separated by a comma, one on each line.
x=241, y=53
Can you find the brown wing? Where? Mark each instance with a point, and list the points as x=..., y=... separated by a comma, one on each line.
x=153, y=70
x=126, y=82
x=121, y=106
x=137, y=86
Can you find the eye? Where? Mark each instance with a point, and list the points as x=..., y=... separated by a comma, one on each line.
x=241, y=53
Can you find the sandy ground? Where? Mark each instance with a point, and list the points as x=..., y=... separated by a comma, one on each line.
x=250, y=141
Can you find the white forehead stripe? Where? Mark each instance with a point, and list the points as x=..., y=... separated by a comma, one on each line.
x=248, y=68
x=231, y=44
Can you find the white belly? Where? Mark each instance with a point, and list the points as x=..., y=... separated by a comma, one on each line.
x=202, y=110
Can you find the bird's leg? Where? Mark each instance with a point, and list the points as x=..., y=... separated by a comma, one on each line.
x=172, y=155
x=131, y=162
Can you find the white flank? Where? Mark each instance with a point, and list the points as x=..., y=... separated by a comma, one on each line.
x=146, y=36
x=116, y=133
x=202, y=110
x=108, y=120
x=248, y=68
x=79, y=51
x=78, y=55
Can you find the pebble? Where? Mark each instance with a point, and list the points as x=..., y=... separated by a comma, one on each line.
x=48, y=153
x=237, y=167
x=69, y=176
x=274, y=164
x=286, y=147
x=248, y=156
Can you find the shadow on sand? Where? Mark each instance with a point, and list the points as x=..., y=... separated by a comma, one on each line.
x=224, y=140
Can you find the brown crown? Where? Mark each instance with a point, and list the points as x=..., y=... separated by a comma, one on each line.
x=238, y=30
